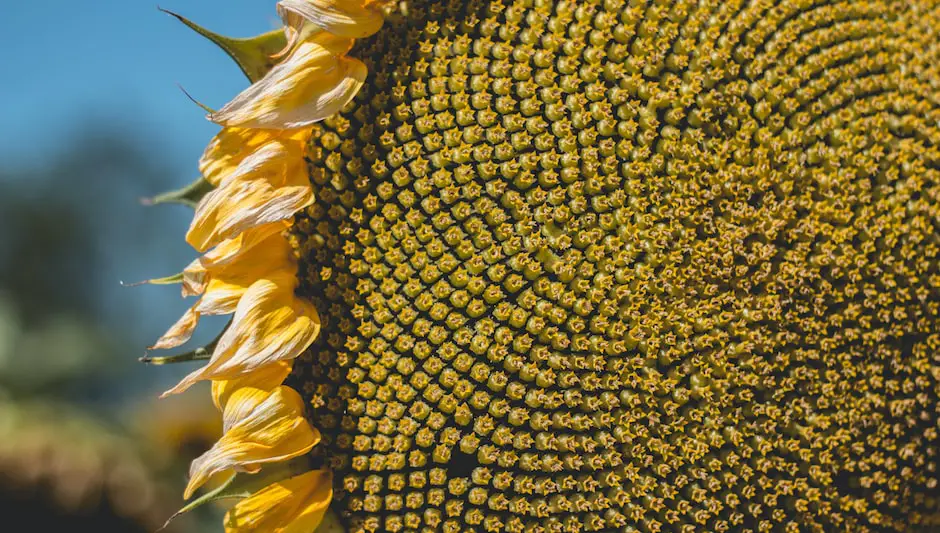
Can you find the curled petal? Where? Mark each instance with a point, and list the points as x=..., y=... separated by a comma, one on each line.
x=231, y=146
x=179, y=333
x=266, y=378
x=220, y=299
x=261, y=427
x=241, y=260
x=224, y=274
x=269, y=185
x=313, y=83
x=270, y=324
x=295, y=505
x=345, y=18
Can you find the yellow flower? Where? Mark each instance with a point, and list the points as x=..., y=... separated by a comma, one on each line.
x=580, y=266
x=295, y=505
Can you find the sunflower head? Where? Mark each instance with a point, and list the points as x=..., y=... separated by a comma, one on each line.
x=542, y=265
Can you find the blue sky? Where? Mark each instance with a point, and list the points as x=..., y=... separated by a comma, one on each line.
x=62, y=61
x=67, y=64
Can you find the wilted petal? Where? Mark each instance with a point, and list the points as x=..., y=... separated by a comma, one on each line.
x=262, y=427
x=269, y=185
x=295, y=505
x=271, y=324
x=345, y=18
x=313, y=83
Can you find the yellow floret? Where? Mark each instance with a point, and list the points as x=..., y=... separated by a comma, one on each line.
x=629, y=266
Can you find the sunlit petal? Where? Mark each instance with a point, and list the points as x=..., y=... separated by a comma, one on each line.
x=271, y=324
x=345, y=18
x=261, y=427
x=295, y=505
x=313, y=83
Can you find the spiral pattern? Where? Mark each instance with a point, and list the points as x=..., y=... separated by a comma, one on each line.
x=631, y=266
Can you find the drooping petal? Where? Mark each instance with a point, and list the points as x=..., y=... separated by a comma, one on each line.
x=345, y=18
x=295, y=505
x=313, y=83
x=224, y=274
x=265, y=378
x=270, y=324
x=179, y=333
x=268, y=186
x=262, y=427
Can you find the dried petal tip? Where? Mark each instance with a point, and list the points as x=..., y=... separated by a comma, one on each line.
x=252, y=54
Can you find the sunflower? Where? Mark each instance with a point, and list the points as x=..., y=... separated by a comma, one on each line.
x=600, y=265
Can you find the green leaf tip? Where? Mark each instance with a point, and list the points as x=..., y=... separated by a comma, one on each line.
x=188, y=195
x=242, y=485
x=169, y=280
x=253, y=55
x=199, y=354
x=228, y=490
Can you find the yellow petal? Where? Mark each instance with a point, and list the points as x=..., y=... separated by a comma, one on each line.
x=224, y=274
x=231, y=146
x=270, y=324
x=220, y=299
x=265, y=378
x=179, y=333
x=295, y=505
x=249, y=256
x=313, y=83
x=344, y=18
x=262, y=427
x=268, y=186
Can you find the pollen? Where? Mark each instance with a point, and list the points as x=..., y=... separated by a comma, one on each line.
x=630, y=266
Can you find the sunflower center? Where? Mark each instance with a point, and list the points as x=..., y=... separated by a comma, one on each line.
x=584, y=265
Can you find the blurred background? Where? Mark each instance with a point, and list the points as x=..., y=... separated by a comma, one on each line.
x=93, y=121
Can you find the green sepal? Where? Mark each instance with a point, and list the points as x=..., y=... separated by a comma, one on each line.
x=240, y=486
x=201, y=105
x=169, y=280
x=188, y=195
x=251, y=54
x=199, y=354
